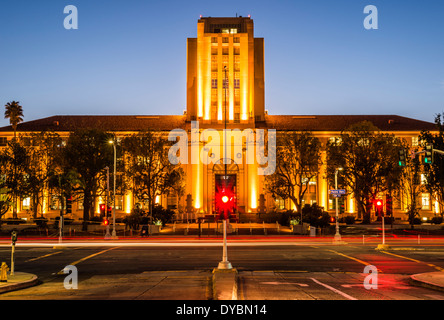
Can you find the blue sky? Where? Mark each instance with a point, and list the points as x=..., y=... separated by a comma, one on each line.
x=129, y=57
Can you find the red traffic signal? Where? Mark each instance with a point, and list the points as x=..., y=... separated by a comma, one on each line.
x=379, y=210
x=105, y=222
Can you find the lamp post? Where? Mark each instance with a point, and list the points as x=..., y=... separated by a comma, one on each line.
x=107, y=235
x=225, y=264
x=113, y=235
x=337, y=235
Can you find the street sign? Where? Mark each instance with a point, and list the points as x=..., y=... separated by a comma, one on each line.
x=337, y=192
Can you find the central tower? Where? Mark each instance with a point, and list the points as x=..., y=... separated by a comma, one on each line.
x=225, y=72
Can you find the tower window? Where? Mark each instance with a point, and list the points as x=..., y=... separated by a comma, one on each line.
x=214, y=83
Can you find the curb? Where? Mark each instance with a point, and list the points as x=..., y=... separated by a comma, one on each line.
x=415, y=280
x=12, y=286
x=225, y=284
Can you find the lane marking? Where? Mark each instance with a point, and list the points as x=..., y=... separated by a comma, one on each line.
x=86, y=258
x=41, y=257
x=414, y=260
x=353, y=258
x=334, y=290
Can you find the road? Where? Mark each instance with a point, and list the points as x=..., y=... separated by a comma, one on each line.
x=272, y=270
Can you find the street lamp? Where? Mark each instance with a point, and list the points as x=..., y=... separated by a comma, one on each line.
x=337, y=235
x=113, y=235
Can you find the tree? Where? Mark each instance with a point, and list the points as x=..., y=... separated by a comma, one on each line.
x=42, y=149
x=297, y=162
x=147, y=168
x=410, y=186
x=14, y=112
x=434, y=173
x=85, y=156
x=14, y=162
x=369, y=162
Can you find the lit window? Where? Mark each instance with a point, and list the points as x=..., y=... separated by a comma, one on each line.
x=214, y=83
x=425, y=201
x=225, y=30
x=26, y=203
x=236, y=83
x=233, y=30
x=415, y=141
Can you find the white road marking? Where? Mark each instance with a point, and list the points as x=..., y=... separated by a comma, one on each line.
x=334, y=290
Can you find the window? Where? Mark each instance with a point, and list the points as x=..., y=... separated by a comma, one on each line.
x=415, y=142
x=26, y=203
x=279, y=203
x=119, y=202
x=225, y=30
x=236, y=51
x=3, y=141
x=213, y=83
x=236, y=39
x=213, y=39
x=225, y=40
x=425, y=201
x=225, y=51
x=213, y=51
x=55, y=203
x=236, y=83
x=233, y=30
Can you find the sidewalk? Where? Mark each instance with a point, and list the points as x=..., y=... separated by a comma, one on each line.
x=432, y=280
x=19, y=280
x=224, y=283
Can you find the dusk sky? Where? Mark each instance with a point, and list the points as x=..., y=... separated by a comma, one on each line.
x=129, y=57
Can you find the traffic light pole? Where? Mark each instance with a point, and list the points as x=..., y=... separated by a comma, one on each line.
x=225, y=264
x=337, y=235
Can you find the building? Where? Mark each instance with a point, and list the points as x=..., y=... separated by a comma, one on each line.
x=225, y=89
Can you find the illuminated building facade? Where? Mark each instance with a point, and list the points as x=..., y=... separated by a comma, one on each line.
x=225, y=89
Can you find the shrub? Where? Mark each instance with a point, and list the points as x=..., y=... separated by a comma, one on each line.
x=349, y=219
x=436, y=220
x=315, y=216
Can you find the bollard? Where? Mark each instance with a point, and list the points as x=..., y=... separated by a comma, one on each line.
x=4, y=272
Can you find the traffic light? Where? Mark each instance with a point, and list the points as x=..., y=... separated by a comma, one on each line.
x=102, y=209
x=105, y=222
x=14, y=237
x=402, y=158
x=378, y=207
x=341, y=204
x=110, y=210
x=388, y=206
x=225, y=202
x=69, y=204
x=428, y=154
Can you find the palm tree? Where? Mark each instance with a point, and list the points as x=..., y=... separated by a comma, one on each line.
x=14, y=112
